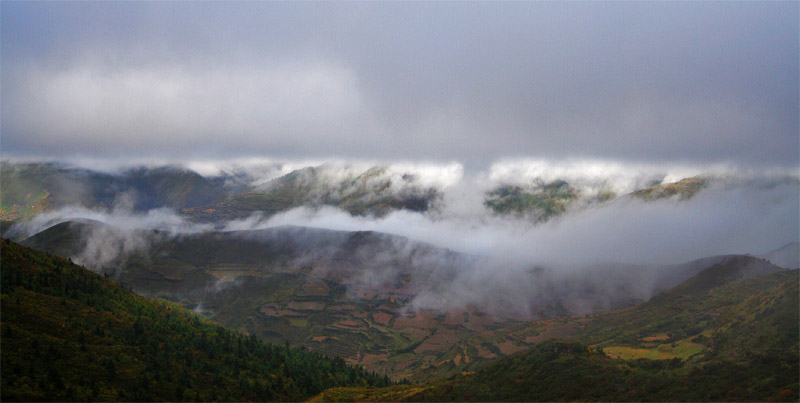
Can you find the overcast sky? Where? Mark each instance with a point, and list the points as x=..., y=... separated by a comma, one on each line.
x=472, y=82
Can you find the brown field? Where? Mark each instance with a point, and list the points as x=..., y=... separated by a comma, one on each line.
x=382, y=318
x=437, y=342
x=658, y=337
x=306, y=306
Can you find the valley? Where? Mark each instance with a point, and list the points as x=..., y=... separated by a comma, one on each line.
x=490, y=201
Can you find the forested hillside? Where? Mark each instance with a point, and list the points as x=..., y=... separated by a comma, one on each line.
x=70, y=334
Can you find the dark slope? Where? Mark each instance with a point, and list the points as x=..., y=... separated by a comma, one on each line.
x=735, y=341
x=730, y=269
x=70, y=334
x=338, y=293
x=67, y=239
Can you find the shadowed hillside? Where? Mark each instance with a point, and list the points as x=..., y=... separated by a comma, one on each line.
x=70, y=334
x=386, y=302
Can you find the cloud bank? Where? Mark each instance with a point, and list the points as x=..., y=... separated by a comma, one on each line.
x=471, y=82
x=591, y=257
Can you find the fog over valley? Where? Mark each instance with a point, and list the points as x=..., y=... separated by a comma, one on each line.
x=527, y=232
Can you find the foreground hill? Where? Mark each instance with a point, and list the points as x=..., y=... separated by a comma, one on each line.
x=345, y=294
x=70, y=334
x=734, y=339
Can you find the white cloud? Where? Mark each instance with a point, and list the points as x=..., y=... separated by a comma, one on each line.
x=741, y=219
x=146, y=107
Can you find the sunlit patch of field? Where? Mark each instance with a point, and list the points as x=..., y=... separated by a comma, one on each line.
x=634, y=353
x=390, y=394
x=657, y=337
x=682, y=349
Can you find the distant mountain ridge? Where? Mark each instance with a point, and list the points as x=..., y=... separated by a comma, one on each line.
x=32, y=188
x=359, y=189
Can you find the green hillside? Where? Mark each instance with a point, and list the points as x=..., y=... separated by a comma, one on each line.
x=70, y=334
x=25, y=191
x=734, y=340
x=679, y=323
x=345, y=294
x=296, y=284
x=543, y=201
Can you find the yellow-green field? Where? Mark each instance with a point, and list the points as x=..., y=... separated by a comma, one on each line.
x=683, y=349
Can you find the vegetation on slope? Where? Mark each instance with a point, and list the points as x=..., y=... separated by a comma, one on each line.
x=683, y=189
x=565, y=371
x=543, y=202
x=678, y=323
x=348, y=294
x=31, y=188
x=23, y=193
x=371, y=192
x=338, y=293
x=736, y=339
x=70, y=334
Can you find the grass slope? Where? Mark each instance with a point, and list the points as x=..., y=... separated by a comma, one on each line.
x=731, y=339
x=543, y=201
x=70, y=334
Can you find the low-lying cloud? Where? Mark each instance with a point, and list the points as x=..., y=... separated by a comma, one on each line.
x=718, y=221
x=509, y=263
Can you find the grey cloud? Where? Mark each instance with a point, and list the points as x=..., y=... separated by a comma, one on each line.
x=465, y=81
x=744, y=218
